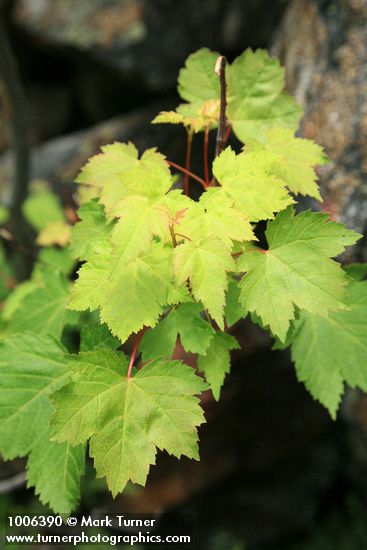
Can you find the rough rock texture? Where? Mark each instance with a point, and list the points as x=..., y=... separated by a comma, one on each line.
x=148, y=39
x=323, y=47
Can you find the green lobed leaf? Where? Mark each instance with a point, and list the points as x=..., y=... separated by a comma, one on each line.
x=141, y=218
x=43, y=310
x=54, y=470
x=295, y=160
x=150, y=177
x=49, y=260
x=105, y=169
x=247, y=181
x=212, y=217
x=90, y=289
x=117, y=275
x=91, y=232
x=197, y=81
x=184, y=321
x=94, y=335
x=215, y=364
x=139, y=292
x=31, y=368
x=205, y=265
x=234, y=311
x=256, y=102
x=296, y=270
x=329, y=352
x=199, y=85
x=128, y=419
x=169, y=117
x=196, y=117
x=131, y=280
x=117, y=172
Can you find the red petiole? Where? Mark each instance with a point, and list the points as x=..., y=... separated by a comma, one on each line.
x=135, y=351
x=188, y=172
x=188, y=162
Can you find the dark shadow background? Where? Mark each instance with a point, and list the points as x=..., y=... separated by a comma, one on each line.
x=276, y=472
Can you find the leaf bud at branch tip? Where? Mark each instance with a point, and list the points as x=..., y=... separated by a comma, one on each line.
x=220, y=64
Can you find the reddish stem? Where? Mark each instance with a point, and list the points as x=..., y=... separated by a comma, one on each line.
x=183, y=236
x=188, y=162
x=228, y=131
x=173, y=236
x=135, y=350
x=206, y=163
x=185, y=171
x=220, y=69
x=261, y=250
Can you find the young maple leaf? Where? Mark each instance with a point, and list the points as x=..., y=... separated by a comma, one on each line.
x=256, y=102
x=247, y=181
x=199, y=86
x=212, y=217
x=295, y=160
x=117, y=172
x=128, y=419
x=117, y=243
x=206, y=265
x=108, y=165
x=197, y=81
x=184, y=321
x=137, y=294
x=141, y=218
x=296, y=270
x=196, y=117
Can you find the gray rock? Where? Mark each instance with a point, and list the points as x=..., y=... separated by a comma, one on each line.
x=148, y=40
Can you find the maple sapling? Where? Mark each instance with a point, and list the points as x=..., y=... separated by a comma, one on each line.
x=156, y=265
